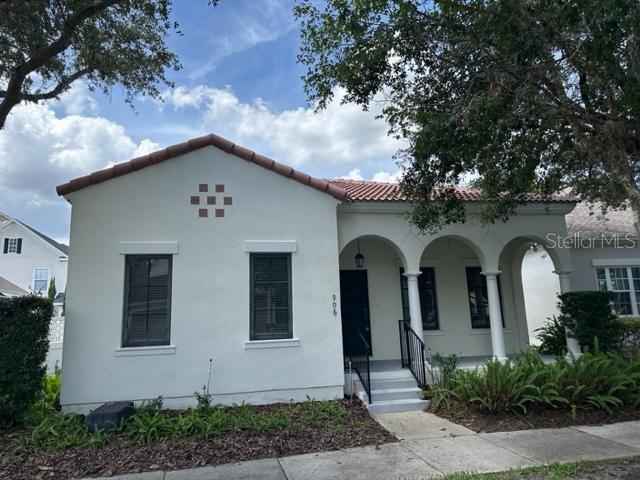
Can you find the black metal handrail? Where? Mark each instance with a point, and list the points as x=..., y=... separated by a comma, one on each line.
x=358, y=357
x=412, y=352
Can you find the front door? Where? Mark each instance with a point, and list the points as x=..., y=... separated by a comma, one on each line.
x=354, y=306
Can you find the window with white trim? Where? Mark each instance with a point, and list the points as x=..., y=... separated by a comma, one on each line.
x=12, y=245
x=624, y=283
x=40, y=280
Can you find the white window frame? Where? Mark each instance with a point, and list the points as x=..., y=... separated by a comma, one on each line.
x=33, y=280
x=632, y=288
x=12, y=245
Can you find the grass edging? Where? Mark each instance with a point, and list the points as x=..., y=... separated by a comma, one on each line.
x=556, y=471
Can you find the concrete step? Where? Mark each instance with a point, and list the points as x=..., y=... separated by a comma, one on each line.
x=393, y=375
x=402, y=405
x=393, y=383
x=396, y=393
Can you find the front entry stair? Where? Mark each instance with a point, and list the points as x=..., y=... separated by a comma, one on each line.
x=393, y=389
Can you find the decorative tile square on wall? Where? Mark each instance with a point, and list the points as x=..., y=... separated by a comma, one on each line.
x=208, y=198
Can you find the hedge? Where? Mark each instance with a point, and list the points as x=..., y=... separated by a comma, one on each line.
x=588, y=315
x=24, y=331
x=629, y=335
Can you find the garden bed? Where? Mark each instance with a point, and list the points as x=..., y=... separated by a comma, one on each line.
x=481, y=422
x=310, y=427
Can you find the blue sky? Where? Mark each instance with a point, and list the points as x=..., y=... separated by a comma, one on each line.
x=240, y=80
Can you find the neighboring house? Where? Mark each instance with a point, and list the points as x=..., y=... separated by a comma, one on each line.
x=30, y=259
x=207, y=250
x=605, y=253
x=8, y=289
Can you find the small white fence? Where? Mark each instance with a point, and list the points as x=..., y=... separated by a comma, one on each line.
x=56, y=336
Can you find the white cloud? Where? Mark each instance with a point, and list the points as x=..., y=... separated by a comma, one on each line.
x=77, y=100
x=355, y=174
x=336, y=136
x=387, y=177
x=146, y=146
x=261, y=22
x=39, y=150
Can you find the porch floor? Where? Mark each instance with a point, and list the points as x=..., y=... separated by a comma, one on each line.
x=466, y=363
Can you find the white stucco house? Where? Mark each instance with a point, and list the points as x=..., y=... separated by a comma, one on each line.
x=605, y=253
x=208, y=250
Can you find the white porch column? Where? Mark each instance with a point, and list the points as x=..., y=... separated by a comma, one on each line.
x=495, y=316
x=414, y=303
x=573, y=346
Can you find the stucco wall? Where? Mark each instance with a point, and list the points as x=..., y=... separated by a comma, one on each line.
x=210, y=286
x=18, y=268
x=541, y=287
x=583, y=276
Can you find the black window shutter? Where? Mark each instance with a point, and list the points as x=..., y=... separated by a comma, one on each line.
x=147, y=303
x=6, y=245
x=270, y=299
x=19, y=247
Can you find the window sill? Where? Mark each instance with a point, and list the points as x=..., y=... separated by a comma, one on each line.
x=143, y=351
x=433, y=333
x=280, y=343
x=485, y=331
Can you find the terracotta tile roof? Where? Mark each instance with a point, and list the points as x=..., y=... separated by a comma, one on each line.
x=589, y=222
x=369, y=191
x=195, y=144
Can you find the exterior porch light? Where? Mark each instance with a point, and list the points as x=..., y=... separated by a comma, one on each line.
x=359, y=258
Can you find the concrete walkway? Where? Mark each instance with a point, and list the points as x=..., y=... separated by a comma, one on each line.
x=430, y=447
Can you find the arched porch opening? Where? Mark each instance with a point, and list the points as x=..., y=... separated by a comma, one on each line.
x=534, y=274
x=370, y=294
x=454, y=314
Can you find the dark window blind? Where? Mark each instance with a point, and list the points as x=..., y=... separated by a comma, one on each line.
x=147, y=309
x=270, y=296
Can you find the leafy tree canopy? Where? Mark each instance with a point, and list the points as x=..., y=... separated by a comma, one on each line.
x=520, y=95
x=46, y=45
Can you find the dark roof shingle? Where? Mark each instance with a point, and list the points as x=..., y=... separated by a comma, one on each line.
x=587, y=220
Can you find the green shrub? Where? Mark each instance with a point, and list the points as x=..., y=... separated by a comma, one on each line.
x=629, y=341
x=24, y=330
x=149, y=424
x=442, y=369
x=57, y=432
x=552, y=336
x=595, y=380
x=589, y=316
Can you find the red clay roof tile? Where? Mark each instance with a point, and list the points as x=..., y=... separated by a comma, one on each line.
x=345, y=190
x=369, y=191
x=195, y=144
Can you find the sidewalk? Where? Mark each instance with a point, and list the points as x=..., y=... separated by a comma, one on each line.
x=428, y=448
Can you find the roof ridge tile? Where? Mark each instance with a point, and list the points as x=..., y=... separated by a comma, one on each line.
x=197, y=143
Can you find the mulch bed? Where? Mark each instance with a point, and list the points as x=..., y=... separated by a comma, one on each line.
x=120, y=455
x=543, y=418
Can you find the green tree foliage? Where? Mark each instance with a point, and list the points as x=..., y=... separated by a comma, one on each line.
x=531, y=95
x=51, y=292
x=589, y=317
x=24, y=330
x=46, y=45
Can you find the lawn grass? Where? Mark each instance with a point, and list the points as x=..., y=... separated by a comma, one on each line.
x=555, y=471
